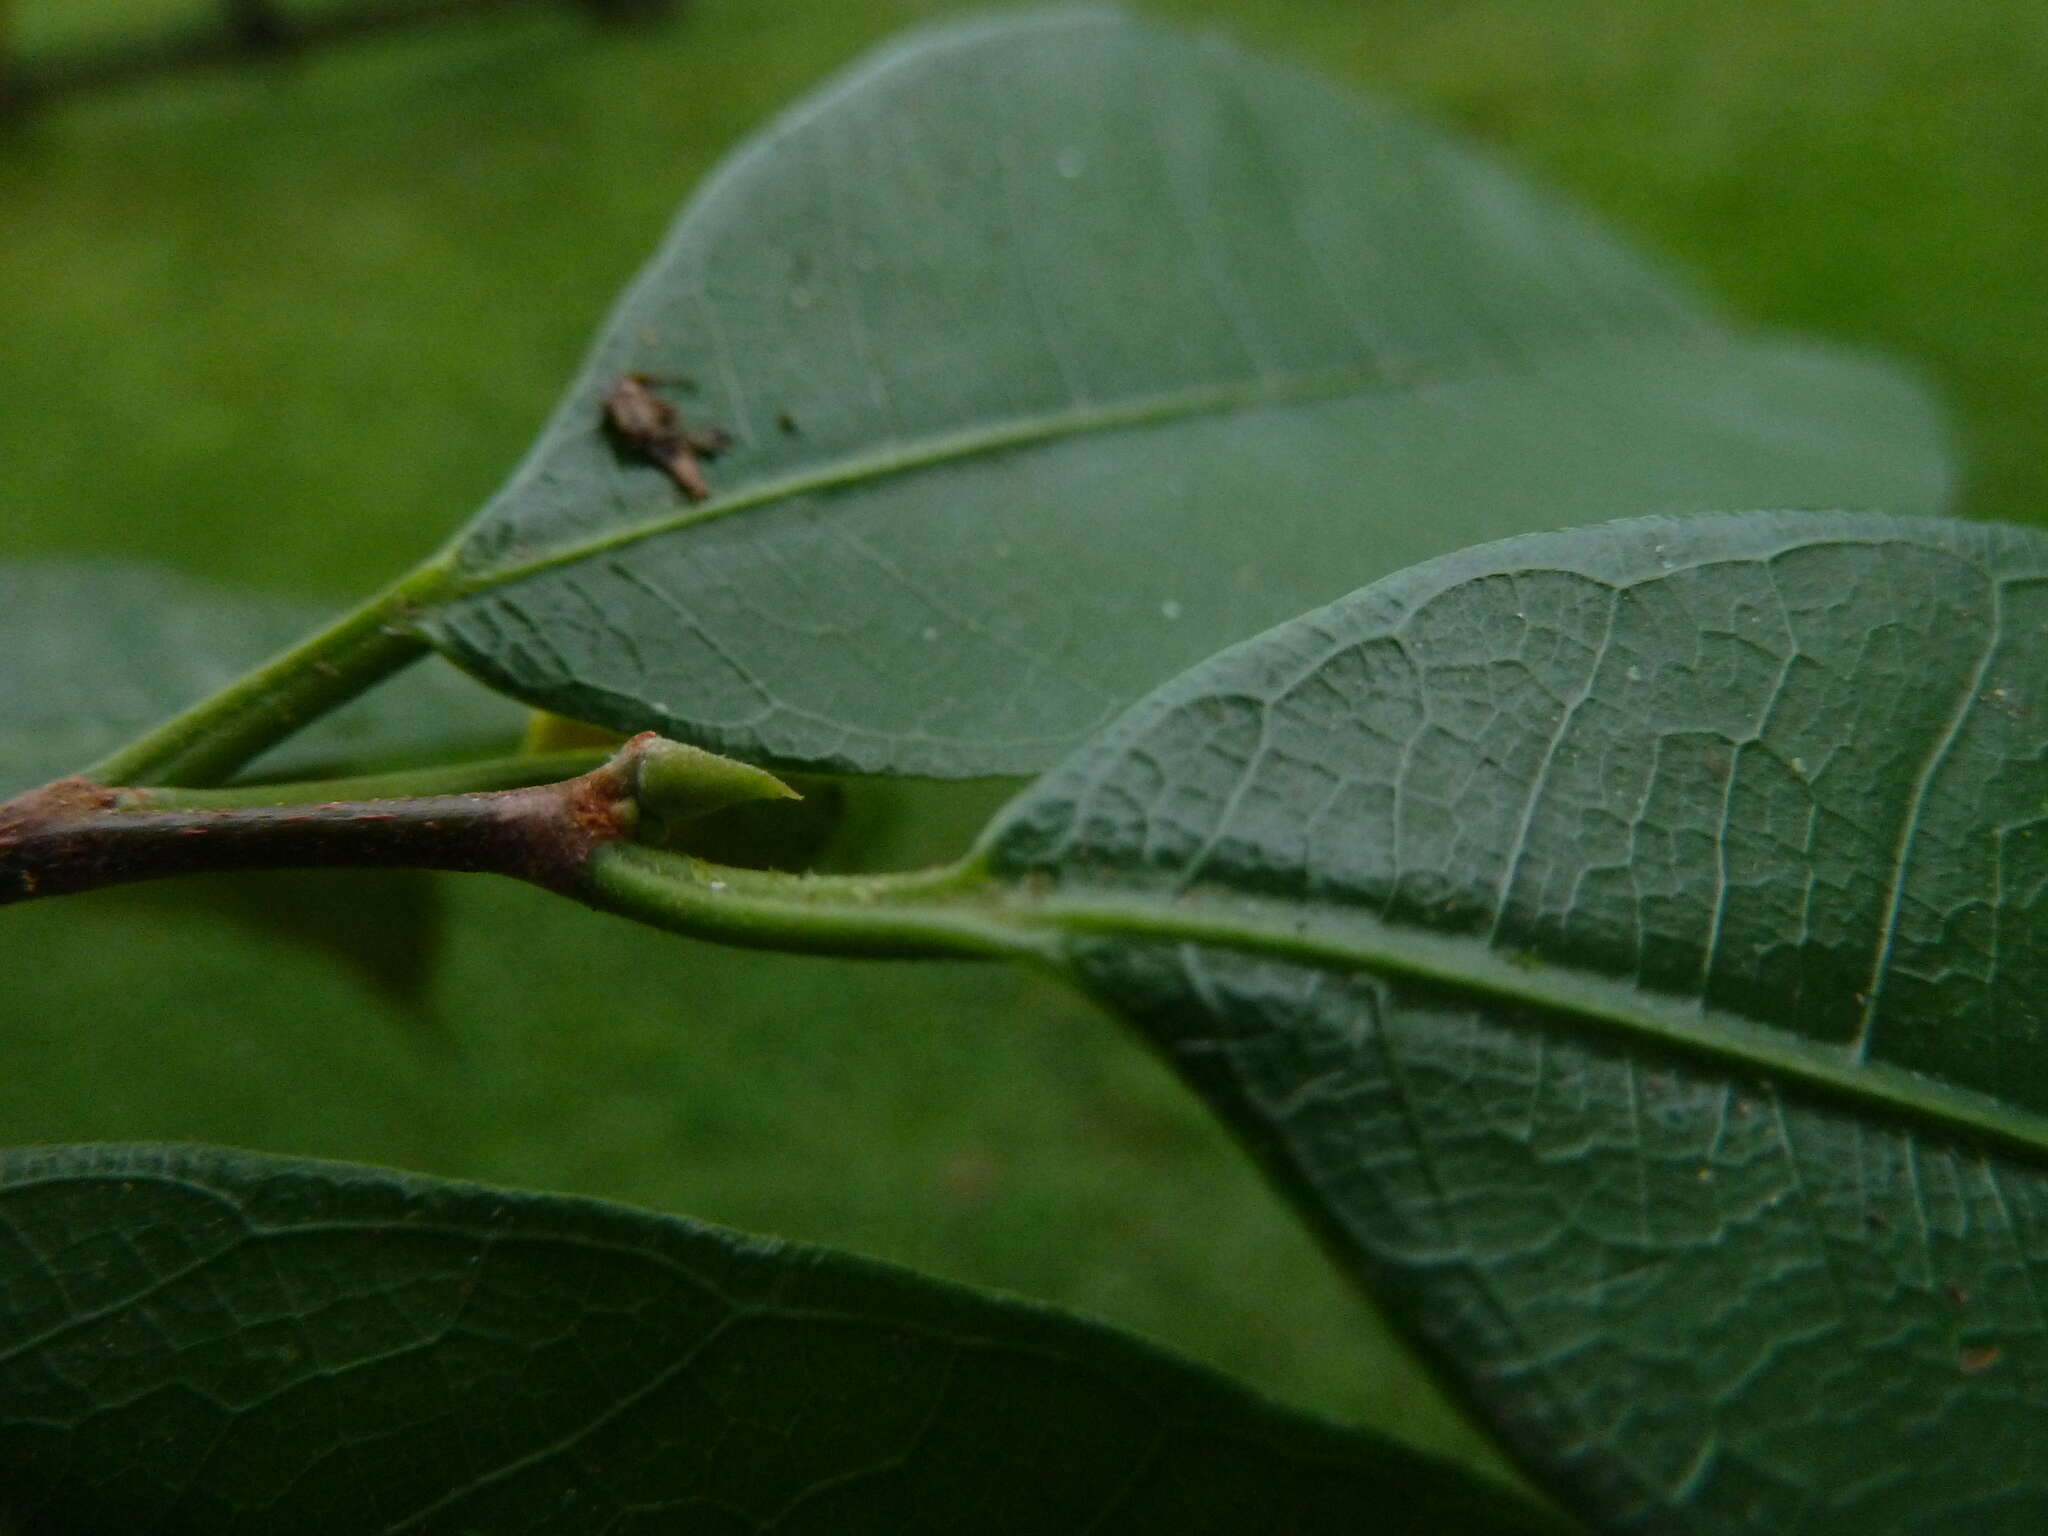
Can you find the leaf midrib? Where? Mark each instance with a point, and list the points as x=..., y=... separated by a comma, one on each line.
x=979, y=909
x=455, y=582
x=1471, y=967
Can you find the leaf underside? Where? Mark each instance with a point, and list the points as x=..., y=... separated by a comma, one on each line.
x=201, y=1341
x=1061, y=351
x=1627, y=947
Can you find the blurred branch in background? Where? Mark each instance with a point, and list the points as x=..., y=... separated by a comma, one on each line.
x=249, y=31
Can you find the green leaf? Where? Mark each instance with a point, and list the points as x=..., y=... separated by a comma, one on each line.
x=1627, y=947
x=91, y=654
x=220, y=1342
x=1060, y=351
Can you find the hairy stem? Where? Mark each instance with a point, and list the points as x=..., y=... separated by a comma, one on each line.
x=215, y=737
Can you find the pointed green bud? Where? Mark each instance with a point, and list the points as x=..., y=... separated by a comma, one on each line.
x=674, y=782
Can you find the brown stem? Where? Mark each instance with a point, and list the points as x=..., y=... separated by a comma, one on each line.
x=76, y=835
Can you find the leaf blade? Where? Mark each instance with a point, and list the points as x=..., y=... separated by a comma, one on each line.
x=353, y=1349
x=1690, y=761
x=1165, y=285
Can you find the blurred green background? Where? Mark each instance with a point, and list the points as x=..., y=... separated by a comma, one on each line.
x=288, y=325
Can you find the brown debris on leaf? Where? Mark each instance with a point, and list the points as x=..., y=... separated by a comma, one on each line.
x=641, y=422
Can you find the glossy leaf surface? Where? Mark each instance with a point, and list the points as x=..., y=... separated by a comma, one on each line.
x=1061, y=351
x=221, y=1342
x=1628, y=948
x=91, y=654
